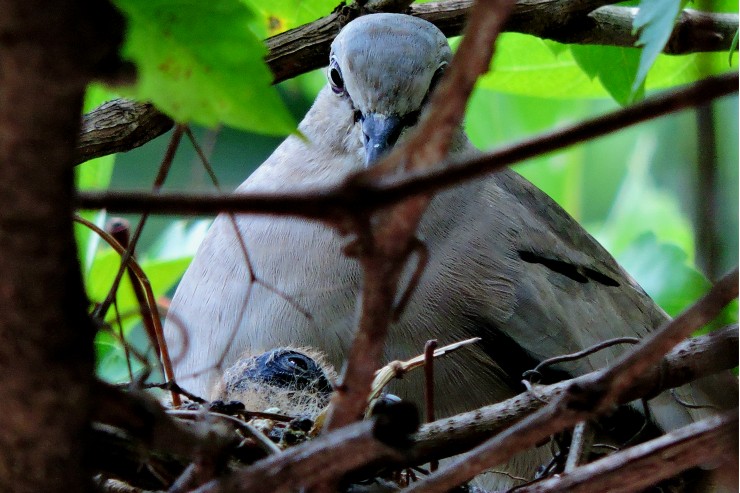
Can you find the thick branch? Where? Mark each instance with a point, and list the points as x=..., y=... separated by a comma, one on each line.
x=332, y=203
x=323, y=459
x=692, y=359
x=707, y=441
x=583, y=399
x=146, y=424
x=118, y=126
x=307, y=47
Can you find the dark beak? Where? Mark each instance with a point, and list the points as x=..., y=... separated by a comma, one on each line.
x=380, y=133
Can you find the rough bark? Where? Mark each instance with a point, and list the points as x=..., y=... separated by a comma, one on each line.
x=49, y=51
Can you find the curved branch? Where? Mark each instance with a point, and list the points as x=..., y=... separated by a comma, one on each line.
x=330, y=203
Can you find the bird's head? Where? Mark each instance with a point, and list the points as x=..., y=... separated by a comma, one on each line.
x=385, y=66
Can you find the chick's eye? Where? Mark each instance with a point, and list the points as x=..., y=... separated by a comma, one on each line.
x=335, y=78
x=298, y=363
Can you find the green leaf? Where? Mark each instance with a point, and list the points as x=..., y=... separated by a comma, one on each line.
x=663, y=272
x=654, y=23
x=199, y=61
x=162, y=274
x=640, y=208
x=615, y=67
x=287, y=14
x=529, y=66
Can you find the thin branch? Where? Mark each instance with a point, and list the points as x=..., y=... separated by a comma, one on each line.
x=330, y=203
x=643, y=465
x=585, y=398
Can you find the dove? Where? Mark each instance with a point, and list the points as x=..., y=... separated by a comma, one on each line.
x=505, y=262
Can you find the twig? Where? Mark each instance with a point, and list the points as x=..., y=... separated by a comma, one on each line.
x=643, y=465
x=585, y=397
x=396, y=369
x=578, y=355
x=580, y=445
x=149, y=309
x=429, y=388
x=330, y=203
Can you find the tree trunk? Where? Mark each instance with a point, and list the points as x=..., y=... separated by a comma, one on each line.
x=47, y=56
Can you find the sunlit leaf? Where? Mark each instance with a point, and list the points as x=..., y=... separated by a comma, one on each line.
x=615, y=67
x=162, y=274
x=287, y=14
x=527, y=65
x=199, y=61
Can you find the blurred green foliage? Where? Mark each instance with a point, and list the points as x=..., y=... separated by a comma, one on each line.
x=634, y=190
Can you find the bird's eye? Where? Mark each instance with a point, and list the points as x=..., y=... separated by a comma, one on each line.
x=437, y=76
x=335, y=78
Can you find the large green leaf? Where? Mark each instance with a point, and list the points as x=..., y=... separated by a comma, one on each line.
x=287, y=14
x=199, y=61
x=532, y=66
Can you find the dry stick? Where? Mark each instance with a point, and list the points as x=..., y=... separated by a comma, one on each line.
x=120, y=229
x=138, y=279
x=102, y=309
x=330, y=203
x=383, y=251
x=580, y=445
x=591, y=395
x=643, y=465
x=323, y=459
x=429, y=348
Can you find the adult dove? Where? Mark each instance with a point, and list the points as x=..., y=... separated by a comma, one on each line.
x=506, y=263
